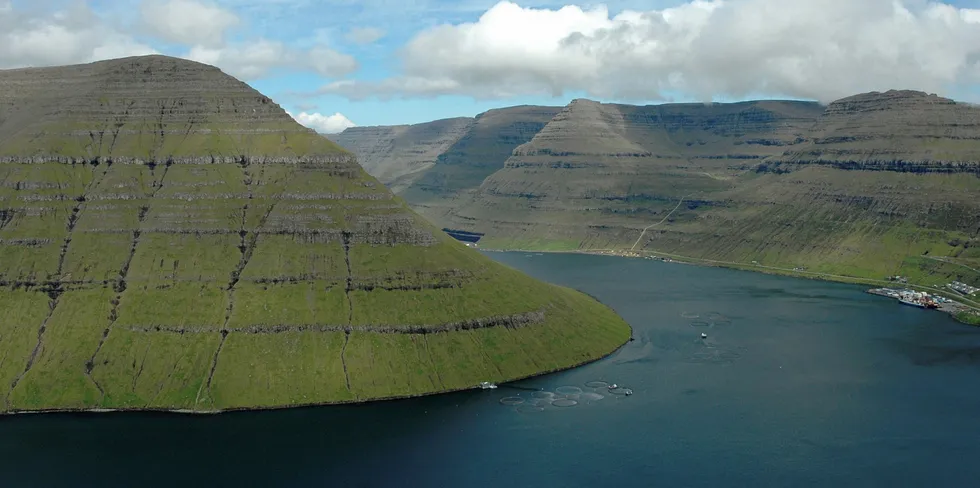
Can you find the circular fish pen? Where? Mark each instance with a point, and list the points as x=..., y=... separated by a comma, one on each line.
x=564, y=403
x=597, y=384
x=568, y=390
x=721, y=322
x=590, y=397
x=690, y=315
x=543, y=395
x=700, y=323
x=511, y=401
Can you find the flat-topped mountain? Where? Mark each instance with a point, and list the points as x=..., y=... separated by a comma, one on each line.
x=171, y=239
x=895, y=130
x=872, y=185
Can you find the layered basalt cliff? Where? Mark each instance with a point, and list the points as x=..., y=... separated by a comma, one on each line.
x=435, y=164
x=604, y=166
x=872, y=185
x=904, y=131
x=171, y=239
x=482, y=151
x=398, y=155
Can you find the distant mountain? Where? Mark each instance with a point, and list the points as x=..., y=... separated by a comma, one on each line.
x=398, y=155
x=872, y=185
x=903, y=131
x=433, y=164
x=171, y=239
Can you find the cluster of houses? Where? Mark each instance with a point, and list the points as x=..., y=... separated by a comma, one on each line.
x=963, y=288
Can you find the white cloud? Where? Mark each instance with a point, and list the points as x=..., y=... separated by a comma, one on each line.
x=706, y=49
x=325, y=124
x=364, y=35
x=187, y=21
x=75, y=35
x=36, y=34
x=255, y=59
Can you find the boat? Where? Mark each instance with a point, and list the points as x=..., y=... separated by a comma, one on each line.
x=486, y=385
x=704, y=336
x=910, y=302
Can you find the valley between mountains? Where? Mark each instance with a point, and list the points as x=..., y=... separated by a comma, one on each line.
x=866, y=187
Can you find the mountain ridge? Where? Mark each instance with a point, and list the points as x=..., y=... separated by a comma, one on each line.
x=868, y=186
x=170, y=239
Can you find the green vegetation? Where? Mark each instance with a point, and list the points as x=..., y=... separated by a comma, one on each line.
x=240, y=261
x=877, y=185
x=972, y=318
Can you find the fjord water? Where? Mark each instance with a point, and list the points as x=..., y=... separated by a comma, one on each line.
x=799, y=383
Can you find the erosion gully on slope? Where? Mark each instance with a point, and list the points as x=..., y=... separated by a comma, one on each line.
x=54, y=283
x=247, y=249
x=345, y=235
x=120, y=284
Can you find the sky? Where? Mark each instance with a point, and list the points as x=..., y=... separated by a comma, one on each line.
x=334, y=64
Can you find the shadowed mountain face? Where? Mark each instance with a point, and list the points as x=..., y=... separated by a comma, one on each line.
x=171, y=239
x=398, y=155
x=478, y=154
x=477, y=147
x=872, y=185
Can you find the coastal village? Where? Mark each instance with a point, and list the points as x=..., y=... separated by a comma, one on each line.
x=926, y=300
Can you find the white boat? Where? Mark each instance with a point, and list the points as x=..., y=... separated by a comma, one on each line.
x=704, y=336
x=486, y=385
x=910, y=302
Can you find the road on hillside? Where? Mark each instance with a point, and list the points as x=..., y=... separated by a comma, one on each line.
x=645, y=229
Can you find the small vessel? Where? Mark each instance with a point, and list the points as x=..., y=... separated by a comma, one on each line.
x=486, y=385
x=906, y=301
x=704, y=336
x=613, y=386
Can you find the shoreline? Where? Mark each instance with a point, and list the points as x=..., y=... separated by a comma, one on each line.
x=757, y=268
x=193, y=412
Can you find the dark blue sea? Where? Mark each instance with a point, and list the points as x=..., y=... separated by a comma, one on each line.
x=799, y=383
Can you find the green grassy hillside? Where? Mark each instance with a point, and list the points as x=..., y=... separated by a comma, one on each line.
x=199, y=250
x=869, y=187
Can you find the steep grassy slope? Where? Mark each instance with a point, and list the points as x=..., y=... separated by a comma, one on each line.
x=450, y=172
x=400, y=154
x=611, y=167
x=482, y=151
x=870, y=186
x=170, y=238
